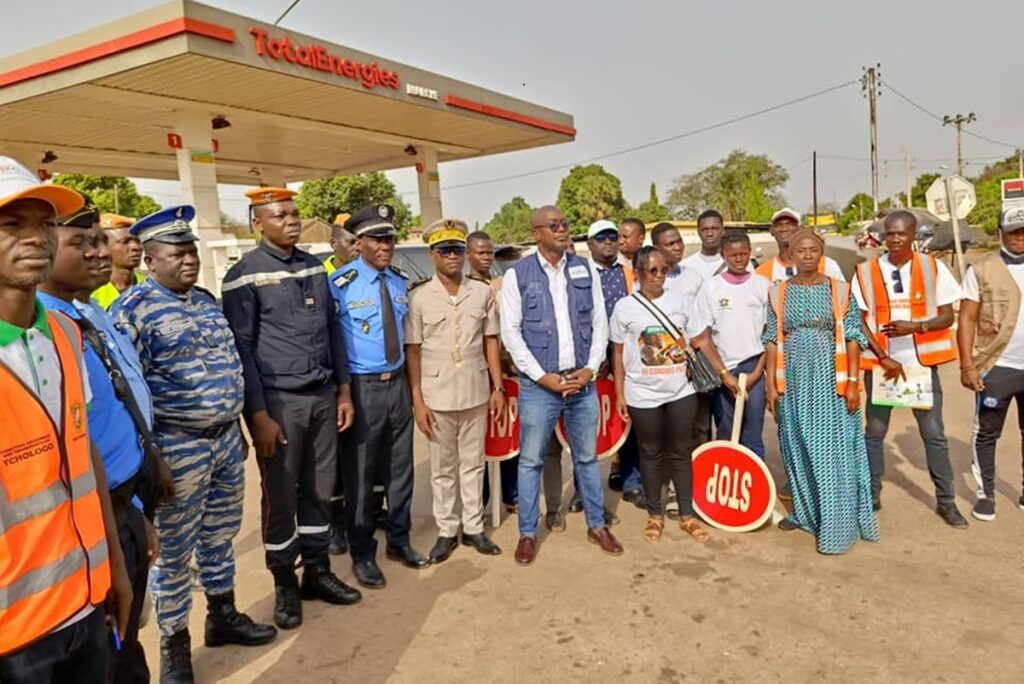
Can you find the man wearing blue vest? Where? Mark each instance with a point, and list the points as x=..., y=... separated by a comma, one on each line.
x=554, y=326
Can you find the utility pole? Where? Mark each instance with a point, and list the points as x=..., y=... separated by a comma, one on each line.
x=870, y=84
x=959, y=121
x=906, y=171
x=814, y=174
x=1020, y=163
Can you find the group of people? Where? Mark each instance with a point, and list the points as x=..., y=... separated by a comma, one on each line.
x=127, y=399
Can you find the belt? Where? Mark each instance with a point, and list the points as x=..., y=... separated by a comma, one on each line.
x=379, y=377
x=203, y=433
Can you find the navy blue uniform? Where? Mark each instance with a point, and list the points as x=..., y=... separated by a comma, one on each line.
x=285, y=323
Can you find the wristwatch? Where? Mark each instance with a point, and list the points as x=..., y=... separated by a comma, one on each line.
x=924, y=327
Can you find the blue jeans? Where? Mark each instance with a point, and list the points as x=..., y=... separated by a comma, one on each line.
x=723, y=406
x=539, y=410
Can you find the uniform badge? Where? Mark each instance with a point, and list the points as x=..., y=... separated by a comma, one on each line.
x=382, y=211
x=76, y=415
x=365, y=327
x=179, y=212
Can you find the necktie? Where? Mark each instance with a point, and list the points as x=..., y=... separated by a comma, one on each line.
x=391, y=350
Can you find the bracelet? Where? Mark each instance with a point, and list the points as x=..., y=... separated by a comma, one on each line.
x=853, y=380
x=722, y=372
x=964, y=369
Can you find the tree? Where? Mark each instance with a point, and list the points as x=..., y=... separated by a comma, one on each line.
x=990, y=202
x=110, y=194
x=920, y=187
x=590, y=193
x=858, y=209
x=511, y=223
x=652, y=210
x=325, y=198
x=744, y=187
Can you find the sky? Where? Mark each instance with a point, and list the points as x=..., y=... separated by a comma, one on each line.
x=636, y=72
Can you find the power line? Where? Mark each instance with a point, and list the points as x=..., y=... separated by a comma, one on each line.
x=285, y=13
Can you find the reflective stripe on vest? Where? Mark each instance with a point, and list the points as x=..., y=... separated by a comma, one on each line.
x=840, y=303
x=53, y=550
x=934, y=347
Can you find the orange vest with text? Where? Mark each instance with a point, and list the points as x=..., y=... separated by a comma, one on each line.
x=53, y=549
x=840, y=304
x=934, y=347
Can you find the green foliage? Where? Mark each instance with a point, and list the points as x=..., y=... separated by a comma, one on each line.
x=652, y=210
x=125, y=200
x=327, y=197
x=590, y=193
x=999, y=170
x=859, y=208
x=743, y=187
x=511, y=223
x=921, y=185
x=990, y=200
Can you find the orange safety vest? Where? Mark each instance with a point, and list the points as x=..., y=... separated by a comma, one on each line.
x=934, y=347
x=53, y=549
x=840, y=304
x=767, y=267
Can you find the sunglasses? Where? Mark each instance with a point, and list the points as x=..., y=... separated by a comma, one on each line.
x=897, y=282
x=450, y=250
x=554, y=226
x=602, y=238
x=655, y=271
x=790, y=271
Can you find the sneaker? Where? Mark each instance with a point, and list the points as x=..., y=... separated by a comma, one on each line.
x=951, y=516
x=576, y=503
x=985, y=509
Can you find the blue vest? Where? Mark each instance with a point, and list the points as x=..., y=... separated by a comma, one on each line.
x=538, y=328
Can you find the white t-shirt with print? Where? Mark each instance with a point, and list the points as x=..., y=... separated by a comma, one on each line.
x=736, y=313
x=653, y=361
x=1013, y=355
x=946, y=292
x=703, y=264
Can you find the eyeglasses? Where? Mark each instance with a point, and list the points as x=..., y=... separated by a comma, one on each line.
x=450, y=250
x=602, y=238
x=553, y=226
x=655, y=271
x=790, y=271
x=897, y=282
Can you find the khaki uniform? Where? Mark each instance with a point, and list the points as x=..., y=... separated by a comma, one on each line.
x=456, y=388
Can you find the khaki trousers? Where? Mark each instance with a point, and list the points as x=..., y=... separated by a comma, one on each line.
x=457, y=468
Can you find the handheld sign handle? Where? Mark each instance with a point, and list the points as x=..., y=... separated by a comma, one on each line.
x=737, y=416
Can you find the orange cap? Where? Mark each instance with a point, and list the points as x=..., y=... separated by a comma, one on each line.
x=340, y=219
x=114, y=221
x=264, y=195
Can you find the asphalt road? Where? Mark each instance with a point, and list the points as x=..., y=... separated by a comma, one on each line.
x=927, y=604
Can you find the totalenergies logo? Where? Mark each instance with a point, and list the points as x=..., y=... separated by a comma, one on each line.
x=317, y=57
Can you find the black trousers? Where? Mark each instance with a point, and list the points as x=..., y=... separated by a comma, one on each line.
x=299, y=479
x=381, y=437
x=666, y=436
x=128, y=666
x=1002, y=386
x=79, y=654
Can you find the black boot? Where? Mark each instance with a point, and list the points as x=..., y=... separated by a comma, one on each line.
x=287, y=604
x=225, y=625
x=318, y=582
x=338, y=544
x=176, y=658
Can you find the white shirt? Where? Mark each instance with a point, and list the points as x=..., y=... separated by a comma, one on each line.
x=652, y=360
x=512, y=320
x=684, y=283
x=832, y=270
x=1013, y=355
x=946, y=292
x=736, y=313
x=707, y=266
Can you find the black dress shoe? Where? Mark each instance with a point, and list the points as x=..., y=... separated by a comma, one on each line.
x=318, y=582
x=338, y=544
x=635, y=497
x=482, y=543
x=225, y=625
x=369, y=575
x=951, y=515
x=576, y=503
x=787, y=525
x=442, y=549
x=287, y=606
x=876, y=503
x=407, y=556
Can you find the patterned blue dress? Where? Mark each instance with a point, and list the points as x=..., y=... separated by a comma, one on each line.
x=822, y=443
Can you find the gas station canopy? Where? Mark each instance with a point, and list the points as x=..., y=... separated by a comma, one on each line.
x=111, y=100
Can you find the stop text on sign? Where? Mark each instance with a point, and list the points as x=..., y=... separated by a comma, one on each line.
x=502, y=424
x=730, y=488
x=317, y=57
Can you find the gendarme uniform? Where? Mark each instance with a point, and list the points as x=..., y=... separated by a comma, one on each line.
x=455, y=384
x=372, y=306
x=195, y=376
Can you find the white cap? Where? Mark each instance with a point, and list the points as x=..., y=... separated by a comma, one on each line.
x=1011, y=219
x=17, y=182
x=601, y=226
x=786, y=211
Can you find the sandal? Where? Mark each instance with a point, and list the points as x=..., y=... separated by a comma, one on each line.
x=654, y=528
x=690, y=525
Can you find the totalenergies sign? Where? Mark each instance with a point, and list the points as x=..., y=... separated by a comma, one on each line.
x=317, y=57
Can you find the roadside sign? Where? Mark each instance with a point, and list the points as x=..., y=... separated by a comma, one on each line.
x=963, y=197
x=502, y=441
x=611, y=430
x=1013, y=190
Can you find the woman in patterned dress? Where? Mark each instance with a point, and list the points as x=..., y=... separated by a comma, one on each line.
x=815, y=397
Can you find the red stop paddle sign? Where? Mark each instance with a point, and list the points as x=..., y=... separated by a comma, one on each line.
x=502, y=440
x=611, y=430
x=732, y=488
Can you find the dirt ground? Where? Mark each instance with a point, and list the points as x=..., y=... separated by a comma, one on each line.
x=927, y=604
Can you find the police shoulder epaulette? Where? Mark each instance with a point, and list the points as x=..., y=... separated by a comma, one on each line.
x=414, y=285
x=399, y=272
x=342, y=279
x=477, y=276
